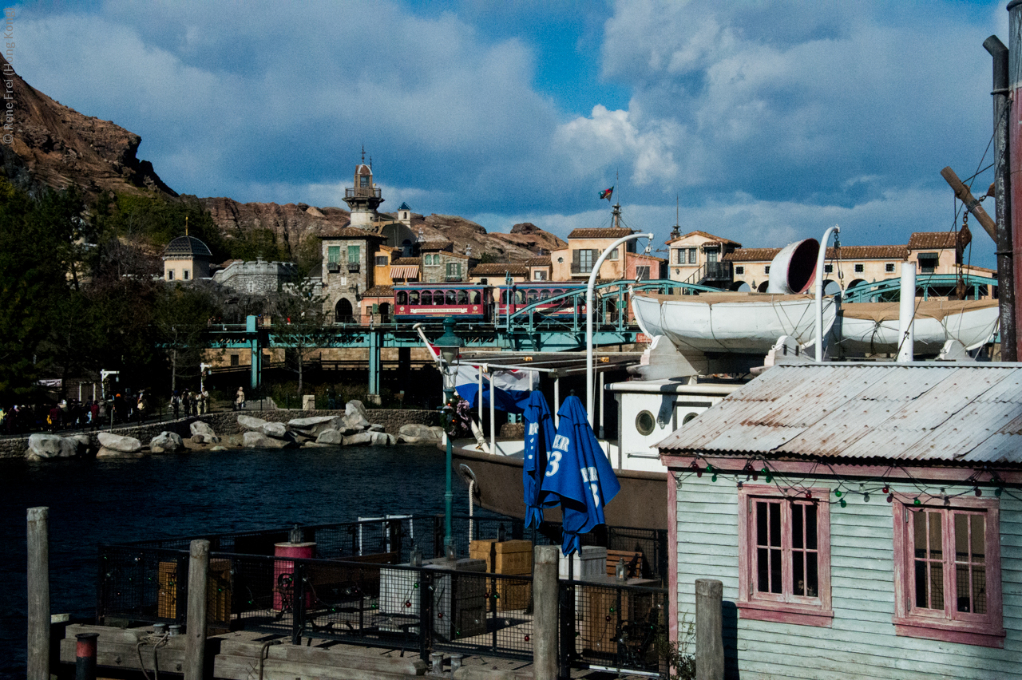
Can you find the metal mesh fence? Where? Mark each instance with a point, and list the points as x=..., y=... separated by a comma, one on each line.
x=371, y=598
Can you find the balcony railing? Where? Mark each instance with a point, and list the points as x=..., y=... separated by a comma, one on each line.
x=362, y=192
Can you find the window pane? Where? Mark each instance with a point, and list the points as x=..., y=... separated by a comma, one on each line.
x=462, y=297
x=413, y=297
x=427, y=297
x=475, y=297
x=936, y=552
x=762, y=564
x=452, y=297
x=761, y=523
x=811, y=525
x=796, y=525
x=979, y=533
x=961, y=537
x=937, y=585
x=401, y=297
x=979, y=589
x=919, y=533
x=775, y=571
x=798, y=580
x=920, y=582
x=962, y=589
x=812, y=576
x=775, y=524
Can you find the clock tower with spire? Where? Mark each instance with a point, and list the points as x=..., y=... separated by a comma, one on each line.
x=364, y=198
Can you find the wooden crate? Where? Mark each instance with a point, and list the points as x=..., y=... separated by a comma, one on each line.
x=513, y=594
x=600, y=633
x=513, y=557
x=218, y=591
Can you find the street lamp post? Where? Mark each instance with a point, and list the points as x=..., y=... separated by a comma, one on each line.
x=589, y=315
x=449, y=345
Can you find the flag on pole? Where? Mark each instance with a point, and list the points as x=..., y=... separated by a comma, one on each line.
x=606, y=193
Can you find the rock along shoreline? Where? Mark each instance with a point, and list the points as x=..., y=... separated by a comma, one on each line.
x=232, y=430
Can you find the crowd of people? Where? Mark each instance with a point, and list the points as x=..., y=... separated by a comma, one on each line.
x=91, y=414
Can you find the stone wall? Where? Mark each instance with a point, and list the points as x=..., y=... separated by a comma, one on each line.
x=226, y=422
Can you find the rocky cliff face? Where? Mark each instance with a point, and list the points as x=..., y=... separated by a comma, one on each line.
x=52, y=145
x=55, y=146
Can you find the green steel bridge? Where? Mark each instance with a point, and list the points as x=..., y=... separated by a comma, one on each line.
x=529, y=330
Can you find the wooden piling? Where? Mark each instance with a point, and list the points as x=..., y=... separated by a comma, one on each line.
x=545, y=604
x=709, y=630
x=38, y=580
x=198, y=574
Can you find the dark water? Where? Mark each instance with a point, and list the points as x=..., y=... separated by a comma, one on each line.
x=106, y=501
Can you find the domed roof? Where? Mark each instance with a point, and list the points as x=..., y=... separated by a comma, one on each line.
x=187, y=246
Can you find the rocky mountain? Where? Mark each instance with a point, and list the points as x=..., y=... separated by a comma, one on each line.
x=52, y=145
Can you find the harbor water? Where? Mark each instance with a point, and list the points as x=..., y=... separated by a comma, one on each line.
x=94, y=501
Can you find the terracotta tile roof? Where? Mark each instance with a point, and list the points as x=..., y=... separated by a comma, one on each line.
x=847, y=253
x=869, y=253
x=543, y=261
x=752, y=255
x=500, y=269
x=406, y=261
x=932, y=239
x=709, y=236
x=436, y=244
x=600, y=233
x=379, y=291
x=644, y=256
x=352, y=233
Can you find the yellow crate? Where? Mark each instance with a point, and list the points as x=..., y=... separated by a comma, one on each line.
x=218, y=591
x=513, y=594
x=513, y=557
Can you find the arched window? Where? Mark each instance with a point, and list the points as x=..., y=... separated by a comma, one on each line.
x=530, y=297
x=462, y=297
x=343, y=311
x=401, y=298
x=476, y=297
x=427, y=297
x=503, y=296
x=519, y=297
x=544, y=294
x=452, y=297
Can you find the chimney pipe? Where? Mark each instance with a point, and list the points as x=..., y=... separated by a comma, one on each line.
x=907, y=312
x=1002, y=194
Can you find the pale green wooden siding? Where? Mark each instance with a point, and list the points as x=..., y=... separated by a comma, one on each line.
x=861, y=643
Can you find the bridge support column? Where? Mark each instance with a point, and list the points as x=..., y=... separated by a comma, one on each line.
x=256, y=376
x=374, y=367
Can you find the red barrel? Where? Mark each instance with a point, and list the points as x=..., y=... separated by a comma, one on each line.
x=283, y=572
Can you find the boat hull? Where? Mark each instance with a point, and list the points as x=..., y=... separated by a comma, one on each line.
x=641, y=503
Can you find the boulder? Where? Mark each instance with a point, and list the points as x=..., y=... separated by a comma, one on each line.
x=313, y=425
x=315, y=445
x=382, y=439
x=356, y=421
x=258, y=440
x=51, y=446
x=375, y=427
x=355, y=406
x=360, y=438
x=409, y=439
x=250, y=424
x=166, y=442
x=218, y=448
x=104, y=452
x=423, y=432
x=201, y=429
x=276, y=430
x=84, y=442
x=116, y=442
x=330, y=438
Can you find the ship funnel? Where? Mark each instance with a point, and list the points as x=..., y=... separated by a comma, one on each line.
x=793, y=270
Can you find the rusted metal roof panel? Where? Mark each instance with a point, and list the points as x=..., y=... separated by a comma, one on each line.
x=949, y=412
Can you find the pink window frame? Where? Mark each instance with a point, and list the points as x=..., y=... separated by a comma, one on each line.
x=786, y=607
x=952, y=626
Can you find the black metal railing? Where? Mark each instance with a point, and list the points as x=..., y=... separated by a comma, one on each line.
x=362, y=192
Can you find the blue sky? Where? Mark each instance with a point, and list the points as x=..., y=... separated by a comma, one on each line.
x=770, y=120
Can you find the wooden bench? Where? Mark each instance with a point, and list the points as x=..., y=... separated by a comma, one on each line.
x=633, y=562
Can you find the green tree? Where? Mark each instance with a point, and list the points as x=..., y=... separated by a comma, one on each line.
x=299, y=324
x=182, y=318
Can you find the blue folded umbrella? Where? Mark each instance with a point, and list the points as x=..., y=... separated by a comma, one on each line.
x=539, y=435
x=579, y=473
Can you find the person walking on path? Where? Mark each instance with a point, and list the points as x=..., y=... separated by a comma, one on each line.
x=175, y=403
x=240, y=399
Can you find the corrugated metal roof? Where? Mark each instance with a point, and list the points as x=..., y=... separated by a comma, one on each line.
x=923, y=412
